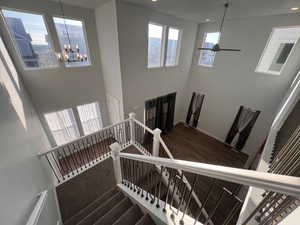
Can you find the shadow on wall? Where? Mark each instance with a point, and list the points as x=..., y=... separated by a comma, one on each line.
x=22, y=173
x=10, y=81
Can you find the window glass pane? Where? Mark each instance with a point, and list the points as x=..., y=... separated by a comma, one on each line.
x=71, y=32
x=31, y=38
x=155, y=33
x=90, y=117
x=278, y=49
x=173, y=49
x=207, y=57
x=63, y=126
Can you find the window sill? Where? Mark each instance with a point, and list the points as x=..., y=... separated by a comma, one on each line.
x=77, y=66
x=269, y=73
x=39, y=68
x=206, y=66
x=162, y=67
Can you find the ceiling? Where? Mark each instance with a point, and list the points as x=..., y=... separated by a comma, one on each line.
x=200, y=10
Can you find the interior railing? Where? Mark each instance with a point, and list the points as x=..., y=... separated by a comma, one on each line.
x=71, y=159
x=38, y=208
x=137, y=173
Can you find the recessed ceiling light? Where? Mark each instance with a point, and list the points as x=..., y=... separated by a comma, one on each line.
x=154, y=0
x=294, y=8
x=207, y=20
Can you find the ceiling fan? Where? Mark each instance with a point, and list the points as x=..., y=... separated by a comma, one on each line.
x=216, y=47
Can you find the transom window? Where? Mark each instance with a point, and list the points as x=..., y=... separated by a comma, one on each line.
x=278, y=50
x=63, y=126
x=173, y=47
x=90, y=117
x=207, y=57
x=31, y=39
x=75, y=37
x=163, y=45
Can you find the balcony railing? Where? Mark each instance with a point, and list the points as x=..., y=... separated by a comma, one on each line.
x=71, y=159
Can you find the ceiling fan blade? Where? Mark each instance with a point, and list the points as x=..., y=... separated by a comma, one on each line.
x=210, y=49
x=230, y=50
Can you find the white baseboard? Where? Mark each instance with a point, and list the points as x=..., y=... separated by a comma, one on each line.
x=211, y=135
x=208, y=134
x=217, y=138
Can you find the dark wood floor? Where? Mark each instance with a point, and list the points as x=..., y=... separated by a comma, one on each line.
x=190, y=144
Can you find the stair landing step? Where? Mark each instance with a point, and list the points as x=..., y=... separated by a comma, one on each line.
x=111, y=216
x=145, y=220
x=131, y=216
x=102, y=209
x=90, y=207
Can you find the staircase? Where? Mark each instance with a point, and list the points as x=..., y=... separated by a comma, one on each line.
x=113, y=207
x=166, y=188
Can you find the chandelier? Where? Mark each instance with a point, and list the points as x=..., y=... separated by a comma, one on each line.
x=71, y=52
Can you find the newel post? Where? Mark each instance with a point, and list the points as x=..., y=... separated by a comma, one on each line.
x=116, y=149
x=131, y=122
x=156, y=142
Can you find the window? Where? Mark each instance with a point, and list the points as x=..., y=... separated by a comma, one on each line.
x=173, y=47
x=31, y=38
x=75, y=37
x=163, y=49
x=207, y=57
x=155, y=37
x=90, y=117
x=63, y=126
x=278, y=49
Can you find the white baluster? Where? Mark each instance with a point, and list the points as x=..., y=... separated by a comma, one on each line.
x=116, y=149
x=156, y=143
x=132, y=131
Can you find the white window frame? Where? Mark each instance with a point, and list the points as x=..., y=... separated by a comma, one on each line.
x=77, y=128
x=269, y=72
x=164, y=45
x=200, y=53
x=99, y=117
x=15, y=46
x=65, y=64
x=178, y=50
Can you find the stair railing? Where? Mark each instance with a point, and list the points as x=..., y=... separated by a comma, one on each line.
x=68, y=160
x=38, y=208
x=151, y=143
x=131, y=169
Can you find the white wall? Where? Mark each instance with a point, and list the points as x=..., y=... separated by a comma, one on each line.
x=22, y=174
x=60, y=88
x=107, y=28
x=286, y=108
x=232, y=81
x=139, y=82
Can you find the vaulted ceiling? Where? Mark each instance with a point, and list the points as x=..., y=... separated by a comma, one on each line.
x=200, y=10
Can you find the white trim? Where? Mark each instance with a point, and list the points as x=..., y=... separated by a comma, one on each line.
x=270, y=72
x=164, y=45
x=15, y=45
x=211, y=135
x=288, y=105
x=80, y=138
x=178, y=47
x=38, y=208
x=202, y=45
x=85, y=39
x=157, y=214
x=272, y=182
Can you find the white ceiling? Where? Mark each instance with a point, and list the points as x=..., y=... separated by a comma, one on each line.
x=199, y=10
